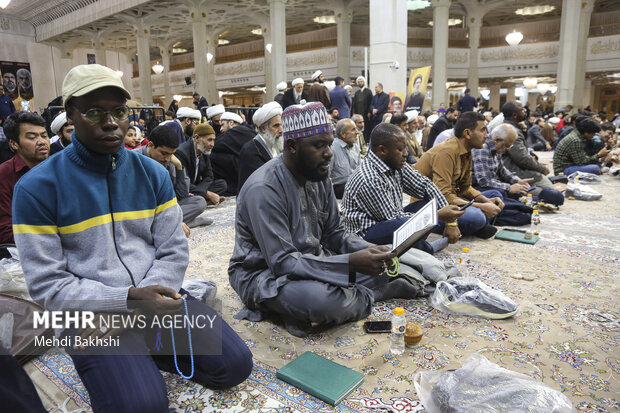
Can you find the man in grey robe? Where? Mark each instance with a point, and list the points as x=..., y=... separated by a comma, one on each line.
x=293, y=261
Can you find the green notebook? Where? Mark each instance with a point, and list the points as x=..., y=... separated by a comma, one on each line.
x=322, y=378
x=515, y=235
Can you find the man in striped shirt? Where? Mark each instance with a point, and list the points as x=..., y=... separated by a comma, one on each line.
x=372, y=205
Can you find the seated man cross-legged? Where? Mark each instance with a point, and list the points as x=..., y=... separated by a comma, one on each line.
x=570, y=155
x=98, y=228
x=449, y=166
x=293, y=260
x=489, y=171
x=372, y=205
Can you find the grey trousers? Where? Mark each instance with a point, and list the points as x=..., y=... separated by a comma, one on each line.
x=192, y=206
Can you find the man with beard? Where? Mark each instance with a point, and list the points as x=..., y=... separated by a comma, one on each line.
x=318, y=92
x=359, y=125
x=266, y=145
x=10, y=84
x=183, y=125
x=519, y=160
x=295, y=95
x=415, y=101
x=293, y=261
x=28, y=138
x=378, y=105
x=24, y=83
x=280, y=96
x=214, y=113
x=444, y=122
x=62, y=128
x=194, y=156
x=361, y=103
x=225, y=156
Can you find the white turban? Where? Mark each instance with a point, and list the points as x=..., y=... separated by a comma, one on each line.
x=185, y=112
x=281, y=86
x=297, y=81
x=58, y=122
x=432, y=119
x=215, y=110
x=231, y=116
x=348, y=88
x=197, y=114
x=266, y=112
x=553, y=121
x=360, y=77
x=316, y=75
x=411, y=115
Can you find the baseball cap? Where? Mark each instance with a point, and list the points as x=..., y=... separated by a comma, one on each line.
x=83, y=79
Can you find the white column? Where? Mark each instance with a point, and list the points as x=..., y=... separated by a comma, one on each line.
x=212, y=93
x=531, y=99
x=144, y=64
x=569, y=45
x=474, y=23
x=165, y=61
x=277, y=24
x=510, y=93
x=494, y=96
x=270, y=87
x=580, y=67
x=441, y=10
x=343, y=26
x=588, y=91
x=199, y=32
x=388, y=44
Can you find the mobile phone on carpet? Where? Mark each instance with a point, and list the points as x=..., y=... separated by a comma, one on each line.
x=378, y=326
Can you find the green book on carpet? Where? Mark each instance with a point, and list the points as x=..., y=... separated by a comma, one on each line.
x=322, y=378
x=516, y=236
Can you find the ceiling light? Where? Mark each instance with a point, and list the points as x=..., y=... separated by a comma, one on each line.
x=119, y=72
x=177, y=44
x=614, y=75
x=4, y=3
x=518, y=92
x=177, y=97
x=530, y=82
x=268, y=47
x=223, y=41
x=533, y=10
x=179, y=50
x=485, y=93
x=157, y=68
x=331, y=19
x=543, y=88
x=209, y=57
x=514, y=38
x=553, y=89
x=258, y=32
x=451, y=22
x=417, y=4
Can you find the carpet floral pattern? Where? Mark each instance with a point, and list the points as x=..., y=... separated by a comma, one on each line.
x=566, y=333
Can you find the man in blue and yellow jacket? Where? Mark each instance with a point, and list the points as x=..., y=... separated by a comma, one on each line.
x=98, y=226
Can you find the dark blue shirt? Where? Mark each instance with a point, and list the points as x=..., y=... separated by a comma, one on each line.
x=467, y=104
x=6, y=107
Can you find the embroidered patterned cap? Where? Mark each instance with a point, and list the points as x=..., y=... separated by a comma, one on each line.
x=303, y=121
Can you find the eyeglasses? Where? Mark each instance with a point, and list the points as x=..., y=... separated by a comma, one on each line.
x=97, y=115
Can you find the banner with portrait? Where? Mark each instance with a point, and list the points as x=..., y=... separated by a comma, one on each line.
x=396, y=101
x=416, y=88
x=17, y=81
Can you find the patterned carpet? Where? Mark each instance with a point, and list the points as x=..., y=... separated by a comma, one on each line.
x=566, y=333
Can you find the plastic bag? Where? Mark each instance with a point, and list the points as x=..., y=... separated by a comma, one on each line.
x=12, y=281
x=484, y=387
x=585, y=178
x=582, y=192
x=202, y=290
x=469, y=296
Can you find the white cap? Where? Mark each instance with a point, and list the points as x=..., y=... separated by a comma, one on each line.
x=83, y=79
x=316, y=74
x=297, y=81
x=58, y=122
x=215, y=110
x=231, y=116
x=554, y=120
x=266, y=112
x=432, y=119
x=360, y=77
x=281, y=86
x=411, y=115
x=348, y=87
x=185, y=112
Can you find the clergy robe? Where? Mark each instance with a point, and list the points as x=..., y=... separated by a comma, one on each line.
x=361, y=106
x=319, y=93
x=291, y=255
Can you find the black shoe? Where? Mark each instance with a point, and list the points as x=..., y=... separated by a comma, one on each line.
x=486, y=232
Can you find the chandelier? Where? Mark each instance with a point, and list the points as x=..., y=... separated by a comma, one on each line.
x=157, y=68
x=514, y=38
